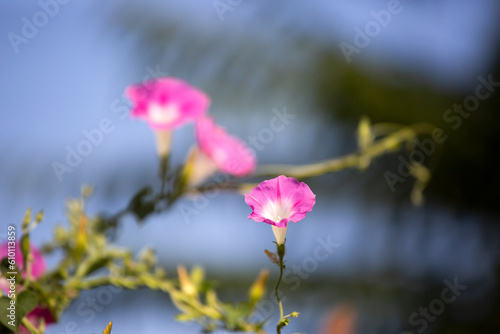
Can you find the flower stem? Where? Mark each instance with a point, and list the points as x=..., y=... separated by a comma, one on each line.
x=389, y=143
x=29, y=326
x=163, y=172
x=281, y=254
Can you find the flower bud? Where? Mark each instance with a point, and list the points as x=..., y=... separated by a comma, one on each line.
x=258, y=288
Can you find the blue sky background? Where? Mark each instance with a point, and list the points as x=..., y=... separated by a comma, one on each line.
x=67, y=77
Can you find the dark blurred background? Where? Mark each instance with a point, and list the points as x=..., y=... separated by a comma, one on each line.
x=325, y=63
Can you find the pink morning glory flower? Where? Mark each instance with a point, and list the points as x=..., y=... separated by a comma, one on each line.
x=219, y=151
x=166, y=103
x=37, y=269
x=279, y=201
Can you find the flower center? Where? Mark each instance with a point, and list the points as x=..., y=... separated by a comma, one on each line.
x=276, y=212
x=163, y=114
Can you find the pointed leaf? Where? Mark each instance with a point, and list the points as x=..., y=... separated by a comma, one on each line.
x=184, y=317
x=5, y=318
x=185, y=281
x=273, y=257
x=13, y=311
x=197, y=276
x=258, y=288
x=212, y=299
x=26, y=302
x=4, y=330
x=140, y=205
x=27, y=219
x=283, y=322
x=25, y=249
x=39, y=216
x=107, y=330
x=7, y=267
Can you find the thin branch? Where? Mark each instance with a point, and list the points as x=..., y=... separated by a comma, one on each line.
x=387, y=144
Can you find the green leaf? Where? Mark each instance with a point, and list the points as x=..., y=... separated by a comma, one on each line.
x=232, y=315
x=25, y=303
x=39, y=216
x=185, y=317
x=27, y=219
x=13, y=311
x=92, y=265
x=87, y=191
x=140, y=205
x=212, y=300
x=197, y=276
x=258, y=288
x=283, y=323
x=365, y=135
x=5, y=312
x=6, y=268
x=4, y=330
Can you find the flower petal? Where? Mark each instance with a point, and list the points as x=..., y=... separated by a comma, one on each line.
x=38, y=264
x=175, y=99
x=231, y=154
x=280, y=200
x=37, y=269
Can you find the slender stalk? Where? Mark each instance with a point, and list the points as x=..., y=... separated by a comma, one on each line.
x=281, y=254
x=277, y=294
x=29, y=326
x=29, y=276
x=390, y=143
x=163, y=173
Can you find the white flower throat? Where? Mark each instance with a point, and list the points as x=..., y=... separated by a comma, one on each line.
x=276, y=212
x=163, y=114
x=279, y=234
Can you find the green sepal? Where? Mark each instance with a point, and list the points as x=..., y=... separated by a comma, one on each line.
x=26, y=219
x=25, y=249
x=273, y=257
x=284, y=322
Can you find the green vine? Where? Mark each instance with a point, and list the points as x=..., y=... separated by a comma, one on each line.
x=90, y=260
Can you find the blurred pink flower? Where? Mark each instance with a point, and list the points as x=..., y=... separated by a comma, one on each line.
x=37, y=270
x=341, y=320
x=166, y=103
x=38, y=265
x=278, y=201
x=226, y=153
